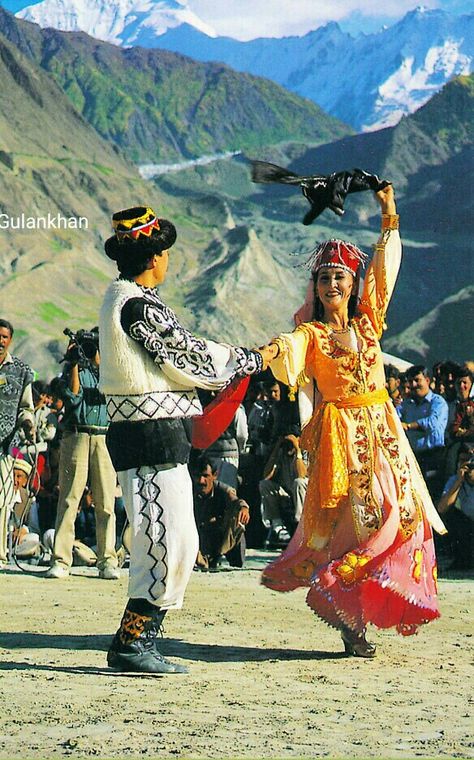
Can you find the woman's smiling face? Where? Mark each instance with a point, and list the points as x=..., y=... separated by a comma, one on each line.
x=334, y=286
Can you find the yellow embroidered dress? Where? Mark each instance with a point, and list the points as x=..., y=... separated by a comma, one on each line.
x=364, y=545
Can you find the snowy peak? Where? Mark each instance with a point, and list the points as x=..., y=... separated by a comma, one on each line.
x=122, y=22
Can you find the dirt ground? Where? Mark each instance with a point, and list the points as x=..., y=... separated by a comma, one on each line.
x=267, y=678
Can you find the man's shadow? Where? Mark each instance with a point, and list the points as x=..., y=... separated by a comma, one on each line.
x=169, y=647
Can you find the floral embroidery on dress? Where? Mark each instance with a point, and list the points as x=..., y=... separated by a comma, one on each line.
x=417, y=565
x=351, y=568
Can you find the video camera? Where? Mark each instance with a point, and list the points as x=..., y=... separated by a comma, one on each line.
x=85, y=348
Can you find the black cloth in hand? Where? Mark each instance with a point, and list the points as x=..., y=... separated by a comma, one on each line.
x=322, y=191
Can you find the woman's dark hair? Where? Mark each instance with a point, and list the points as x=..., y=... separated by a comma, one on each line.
x=8, y=325
x=132, y=256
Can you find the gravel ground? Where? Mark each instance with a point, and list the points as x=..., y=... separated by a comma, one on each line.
x=267, y=678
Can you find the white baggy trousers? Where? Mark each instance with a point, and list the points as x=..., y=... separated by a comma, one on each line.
x=164, y=539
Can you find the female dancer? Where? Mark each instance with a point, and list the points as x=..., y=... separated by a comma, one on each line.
x=364, y=545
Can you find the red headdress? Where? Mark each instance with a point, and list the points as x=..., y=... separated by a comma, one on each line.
x=330, y=253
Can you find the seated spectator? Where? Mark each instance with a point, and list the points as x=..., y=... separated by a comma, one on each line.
x=84, y=546
x=424, y=418
x=392, y=383
x=26, y=539
x=221, y=518
x=283, y=489
x=457, y=507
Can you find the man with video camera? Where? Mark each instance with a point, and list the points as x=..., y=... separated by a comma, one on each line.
x=84, y=458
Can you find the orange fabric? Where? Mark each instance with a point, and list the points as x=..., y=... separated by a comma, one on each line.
x=329, y=482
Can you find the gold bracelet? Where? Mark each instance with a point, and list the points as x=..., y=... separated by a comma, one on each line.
x=390, y=222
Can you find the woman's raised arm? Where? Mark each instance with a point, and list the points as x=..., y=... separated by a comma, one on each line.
x=383, y=269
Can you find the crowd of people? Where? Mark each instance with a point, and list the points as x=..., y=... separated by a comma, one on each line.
x=66, y=507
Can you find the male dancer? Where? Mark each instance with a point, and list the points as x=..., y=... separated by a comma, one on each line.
x=151, y=367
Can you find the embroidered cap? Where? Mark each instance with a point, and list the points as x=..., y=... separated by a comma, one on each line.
x=337, y=253
x=138, y=231
x=134, y=222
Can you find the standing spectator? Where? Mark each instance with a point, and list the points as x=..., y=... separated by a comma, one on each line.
x=16, y=411
x=84, y=458
x=260, y=422
x=226, y=450
x=221, y=518
x=392, y=383
x=462, y=428
x=457, y=507
x=424, y=418
x=283, y=488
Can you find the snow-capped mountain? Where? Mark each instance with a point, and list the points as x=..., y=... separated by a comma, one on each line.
x=369, y=81
x=122, y=22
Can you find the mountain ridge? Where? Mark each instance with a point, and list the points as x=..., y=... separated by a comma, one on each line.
x=157, y=105
x=368, y=81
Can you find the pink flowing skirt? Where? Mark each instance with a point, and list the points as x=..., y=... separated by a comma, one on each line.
x=388, y=580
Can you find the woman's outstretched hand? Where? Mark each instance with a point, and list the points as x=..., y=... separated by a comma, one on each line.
x=386, y=198
x=268, y=353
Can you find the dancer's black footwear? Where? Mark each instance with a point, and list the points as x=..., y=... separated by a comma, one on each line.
x=356, y=645
x=134, y=646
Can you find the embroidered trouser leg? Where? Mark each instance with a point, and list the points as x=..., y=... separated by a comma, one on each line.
x=85, y=457
x=164, y=538
x=6, y=500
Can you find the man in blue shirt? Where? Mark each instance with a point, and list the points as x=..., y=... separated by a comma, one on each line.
x=424, y=418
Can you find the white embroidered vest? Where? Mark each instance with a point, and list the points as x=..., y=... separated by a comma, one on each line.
x=135, y=386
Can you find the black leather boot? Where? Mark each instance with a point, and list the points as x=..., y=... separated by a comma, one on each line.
x=134, y=646
x=356, y=644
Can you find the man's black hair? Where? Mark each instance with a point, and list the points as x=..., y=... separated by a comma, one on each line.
x=465, y=372
x=205, y=461
x=8, y=325
x=392, y=371
x=418, y=369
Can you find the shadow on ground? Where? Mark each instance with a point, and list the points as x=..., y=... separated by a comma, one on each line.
x=169, y=647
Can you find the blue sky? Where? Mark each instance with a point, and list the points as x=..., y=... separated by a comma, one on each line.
x=245, y=19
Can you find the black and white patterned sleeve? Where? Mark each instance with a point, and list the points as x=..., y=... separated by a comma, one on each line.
x=187, y=359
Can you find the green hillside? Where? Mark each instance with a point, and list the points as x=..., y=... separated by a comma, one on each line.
x=159, y=106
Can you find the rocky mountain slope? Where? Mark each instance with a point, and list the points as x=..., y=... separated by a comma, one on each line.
x=369, y=81
x=159, y=106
